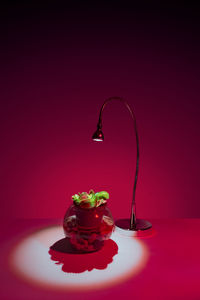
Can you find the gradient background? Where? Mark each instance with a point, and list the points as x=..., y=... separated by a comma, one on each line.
x=58, y=64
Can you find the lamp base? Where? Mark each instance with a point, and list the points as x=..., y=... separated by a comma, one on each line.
x=123, y=226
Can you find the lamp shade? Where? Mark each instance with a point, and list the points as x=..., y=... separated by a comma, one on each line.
x=98, y=136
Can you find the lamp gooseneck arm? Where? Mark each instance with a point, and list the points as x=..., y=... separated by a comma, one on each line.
x=99, y=126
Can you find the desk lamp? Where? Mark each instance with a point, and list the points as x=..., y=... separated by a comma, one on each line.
x=132, y=224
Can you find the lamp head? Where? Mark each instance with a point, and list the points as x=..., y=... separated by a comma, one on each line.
x=98, y=135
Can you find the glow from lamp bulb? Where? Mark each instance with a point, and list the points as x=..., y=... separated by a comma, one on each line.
x=98, y=140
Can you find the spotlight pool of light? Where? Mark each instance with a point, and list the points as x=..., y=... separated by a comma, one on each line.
x=30, y=260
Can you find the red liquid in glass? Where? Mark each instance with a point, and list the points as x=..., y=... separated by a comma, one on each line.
x=88, y=228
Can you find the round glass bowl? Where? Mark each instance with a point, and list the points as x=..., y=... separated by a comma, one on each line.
x=88, y=228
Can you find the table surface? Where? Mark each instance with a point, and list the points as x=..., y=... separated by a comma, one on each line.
x=163, y=265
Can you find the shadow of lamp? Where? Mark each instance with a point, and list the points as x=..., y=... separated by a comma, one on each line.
x=132, y=224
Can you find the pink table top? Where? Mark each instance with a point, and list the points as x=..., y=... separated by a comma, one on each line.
x=163, y=265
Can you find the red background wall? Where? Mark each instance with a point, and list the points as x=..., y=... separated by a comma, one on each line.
x=59, y=63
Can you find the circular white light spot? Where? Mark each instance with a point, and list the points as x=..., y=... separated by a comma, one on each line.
x=31, y=260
